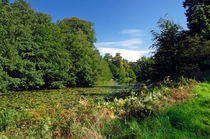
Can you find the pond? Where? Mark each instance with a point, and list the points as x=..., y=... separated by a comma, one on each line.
x=49, y=98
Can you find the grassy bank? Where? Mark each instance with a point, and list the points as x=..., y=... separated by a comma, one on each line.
x=190, y=119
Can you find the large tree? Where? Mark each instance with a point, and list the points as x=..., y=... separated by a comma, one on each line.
x=198, y=16
x=79, y=39
x=167, y=44
x=36, y=53
x=177, y=52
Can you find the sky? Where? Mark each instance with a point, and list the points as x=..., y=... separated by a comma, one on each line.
x=122, y=26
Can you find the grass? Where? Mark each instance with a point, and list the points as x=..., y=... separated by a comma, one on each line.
x=190, y=119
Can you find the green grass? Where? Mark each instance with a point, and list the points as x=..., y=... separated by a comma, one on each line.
x=190, y=119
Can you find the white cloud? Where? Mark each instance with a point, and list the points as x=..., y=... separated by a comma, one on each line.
x=130, y=55
x=131, y=43
x=133, y=32
x=129, y=48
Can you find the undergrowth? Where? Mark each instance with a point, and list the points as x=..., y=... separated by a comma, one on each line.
x=138, y=113
x=190, y=119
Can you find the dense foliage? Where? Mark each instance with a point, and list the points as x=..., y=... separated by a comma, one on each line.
x=198, y=16
x=143, y=69
x=184, y=120
x=179, y=52
x=120, y=68
x=36, y=53
x=64, y=114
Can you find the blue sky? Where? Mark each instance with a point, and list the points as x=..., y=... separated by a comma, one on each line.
x=121, y=25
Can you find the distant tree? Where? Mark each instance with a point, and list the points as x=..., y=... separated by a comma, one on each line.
x=101, y=65
x=108, y=57
x=120, y=68
x=144, y=69
x=118, y=61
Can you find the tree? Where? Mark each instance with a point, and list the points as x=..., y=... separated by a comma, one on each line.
x=38, y=54
x=79, y=38
x=167, y=44
x=198, y=16
x=195, y=53
x=72, y=25
x=4, y=2
x=108, y=57
x=120, y=68
x=144, y=69
x=177, y=52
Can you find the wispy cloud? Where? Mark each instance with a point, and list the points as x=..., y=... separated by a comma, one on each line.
x=132, y=43
x=133, y=32
x=130, y=55
x=129, y=49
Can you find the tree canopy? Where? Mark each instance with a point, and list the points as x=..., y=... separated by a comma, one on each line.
x=36, y=53
x=198, y=16
x=120, y=68
x=39, y=54
x=179, y=52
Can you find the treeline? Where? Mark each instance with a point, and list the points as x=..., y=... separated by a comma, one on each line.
x=178, y=52
x=36, y=53
x=120, y=68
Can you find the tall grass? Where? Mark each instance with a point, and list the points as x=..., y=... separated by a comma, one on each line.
x=190, y=119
